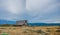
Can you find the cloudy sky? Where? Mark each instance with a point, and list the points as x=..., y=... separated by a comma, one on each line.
x=34, y=11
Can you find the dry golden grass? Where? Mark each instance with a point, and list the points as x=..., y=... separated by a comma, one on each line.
x=35, y=30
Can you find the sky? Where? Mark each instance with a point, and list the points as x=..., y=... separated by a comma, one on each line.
x=35, y=11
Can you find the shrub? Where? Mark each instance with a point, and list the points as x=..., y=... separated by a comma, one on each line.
x=39, y=31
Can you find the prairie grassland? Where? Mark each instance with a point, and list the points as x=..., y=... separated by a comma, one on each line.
x=33, y=30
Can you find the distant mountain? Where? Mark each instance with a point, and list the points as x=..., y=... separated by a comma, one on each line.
x=44, y=24
x=30, y=24
x=7, y=22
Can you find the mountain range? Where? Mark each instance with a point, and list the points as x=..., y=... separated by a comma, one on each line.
x=7, y=22
x=30, y=24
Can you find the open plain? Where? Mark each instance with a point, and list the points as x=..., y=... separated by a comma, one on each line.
x=30, y=30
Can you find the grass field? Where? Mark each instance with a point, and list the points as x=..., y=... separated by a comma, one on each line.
x=32, y=30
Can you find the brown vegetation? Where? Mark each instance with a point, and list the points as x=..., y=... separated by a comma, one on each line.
x=25, y=30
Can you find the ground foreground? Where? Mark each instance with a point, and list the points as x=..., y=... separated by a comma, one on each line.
x=33, y=30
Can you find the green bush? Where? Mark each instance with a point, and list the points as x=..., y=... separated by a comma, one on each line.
x=4, y=34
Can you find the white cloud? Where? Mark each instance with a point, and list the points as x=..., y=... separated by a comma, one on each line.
x=37, y=10
x=14, y=6
x=12, y=9
x=45, y=21
x=43, y=10
x=41, y=6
